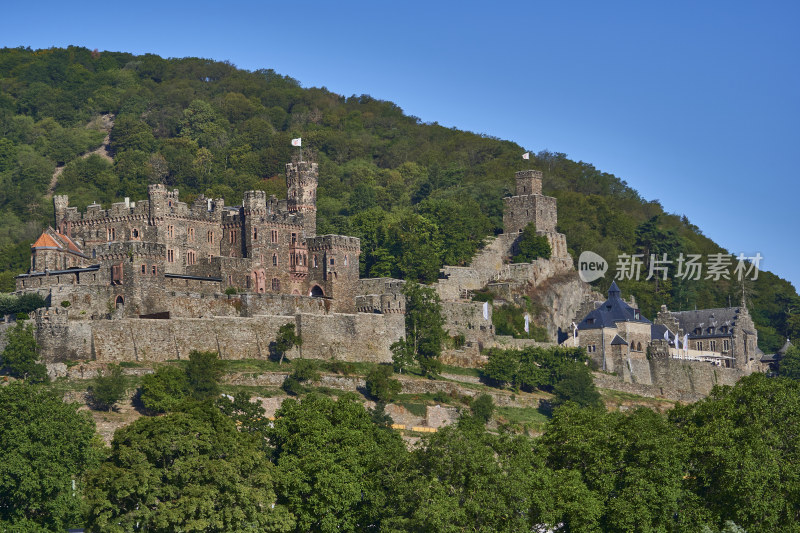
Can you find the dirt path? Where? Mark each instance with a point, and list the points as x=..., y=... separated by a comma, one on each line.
x=103, y=123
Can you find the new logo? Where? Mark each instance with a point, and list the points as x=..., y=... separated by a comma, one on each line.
x=591, y=266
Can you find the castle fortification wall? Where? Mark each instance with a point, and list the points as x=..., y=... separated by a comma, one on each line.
x=347, y=337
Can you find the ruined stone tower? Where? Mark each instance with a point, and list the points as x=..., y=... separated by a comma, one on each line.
x=530, y=205
x=301, y=181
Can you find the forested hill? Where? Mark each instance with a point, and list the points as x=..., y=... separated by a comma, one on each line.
x=419, y=195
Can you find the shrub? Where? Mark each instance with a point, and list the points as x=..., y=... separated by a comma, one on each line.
x=482, y=408
x=381, y=386
x=65, y=304
x=108, y=388
x=577, y=386
x=203, y=374
x=304, y=370
x=292, y=386
x=230, y=291
x=532, y=246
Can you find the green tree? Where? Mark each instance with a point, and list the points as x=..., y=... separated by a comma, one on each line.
x=482, y=408
x=20, y=354
x=424, y=329
x=187, y=471
x=789, y=365
x=633, y=463
x=286, y=340
x=743, y=452
x=576, y=385
x=532, y=246
x=45, y=447
x=108, y=388
x=164, y=390
x=336, y=469
x=203, y=373
x=380, y=384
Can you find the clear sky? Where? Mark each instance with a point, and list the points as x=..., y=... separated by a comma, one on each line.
x=695, y=104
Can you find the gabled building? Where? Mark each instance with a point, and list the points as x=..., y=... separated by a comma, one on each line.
x=614, y=331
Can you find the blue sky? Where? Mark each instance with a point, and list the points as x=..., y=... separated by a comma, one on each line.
x=692, y=103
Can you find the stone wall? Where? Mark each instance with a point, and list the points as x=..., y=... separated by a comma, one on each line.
x=358, y=337
x=673, y=379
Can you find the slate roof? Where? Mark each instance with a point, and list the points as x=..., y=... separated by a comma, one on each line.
x=705, y=318
x=618, y=340
x=611, y=311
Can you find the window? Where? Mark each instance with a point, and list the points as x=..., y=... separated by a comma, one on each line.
x=170, y=231
x=154, y=270
x=700, y=345
x=190, y=234
x=211, y=237
x=274, y=235
x=315, y=262
x=294, y=238
x=170, y=256
x=274, y=259
x=134, y=233
x=291, y=259
x=144, y=269
x=255, y=234
x=726, y=345
x=111, y=234
x=712, y=345
x=191, y=257
x=710, y=331
x=331, y=261
x=276, y=284
x=232, y=236
x=345, y=260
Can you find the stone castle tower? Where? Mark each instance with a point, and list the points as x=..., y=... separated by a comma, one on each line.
x=301, y=180
x=530, y=205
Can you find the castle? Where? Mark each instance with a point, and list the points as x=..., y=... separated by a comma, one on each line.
x=134, y=253
x=153, y=280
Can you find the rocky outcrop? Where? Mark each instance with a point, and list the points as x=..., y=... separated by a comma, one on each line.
x=559, y=299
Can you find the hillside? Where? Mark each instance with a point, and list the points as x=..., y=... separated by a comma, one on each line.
x=418, y=195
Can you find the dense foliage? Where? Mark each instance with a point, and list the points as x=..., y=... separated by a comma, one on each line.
x=424, y=330
x=46, y=446
x=20, y=355
x=418, y=195
x=721, y=464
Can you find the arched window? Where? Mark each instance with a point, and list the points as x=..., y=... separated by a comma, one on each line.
x=190, y=234
x=119, y=302
x=134, y=233
x=638, y=346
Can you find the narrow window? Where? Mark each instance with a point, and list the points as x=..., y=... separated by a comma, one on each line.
x=274, y=235
x=170, y=231
x=144, y=269
x=211, y=237
x=274, y=259
x=315, y=262
x=191, y=234
x=255, y=234
x=276, y=284
x=155, y=270
x=294, y=238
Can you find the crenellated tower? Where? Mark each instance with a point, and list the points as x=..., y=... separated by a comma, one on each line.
x=301, y=181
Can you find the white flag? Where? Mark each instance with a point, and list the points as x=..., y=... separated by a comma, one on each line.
x=686, y=343
x=666, y=336
x=676, y=341
x=297, y=142
x=526, y=155
x=486, y=310
x=527, y=323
